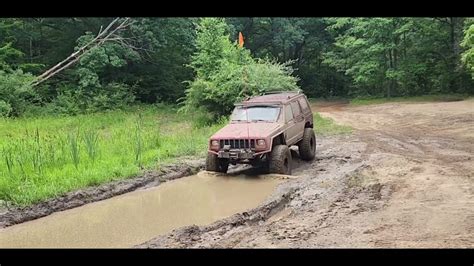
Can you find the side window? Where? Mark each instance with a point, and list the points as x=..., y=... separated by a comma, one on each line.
x=295, y=108
x=288, y=113
x=304, y=104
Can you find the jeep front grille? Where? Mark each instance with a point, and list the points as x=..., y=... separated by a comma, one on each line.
x=238, y=143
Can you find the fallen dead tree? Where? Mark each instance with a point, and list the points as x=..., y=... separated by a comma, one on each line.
x=110, y=33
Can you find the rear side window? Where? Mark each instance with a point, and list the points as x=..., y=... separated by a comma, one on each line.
x=304, y=104
x=295, y=108
x=288, y=113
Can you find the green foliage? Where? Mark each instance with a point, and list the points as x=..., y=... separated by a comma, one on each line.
x=74, y=148
x=225, y=73
x=48, y=156
x=299, y=40
x=398, y=56
x=138, y=140
x=5, y=108
x=7, y=55
x=93, y=94
x=331, y=56
x=468, y=44
x=91, y=141
x=166, y=48
x=15, y=92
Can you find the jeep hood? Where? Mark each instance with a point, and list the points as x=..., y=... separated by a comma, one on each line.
x=246, y=130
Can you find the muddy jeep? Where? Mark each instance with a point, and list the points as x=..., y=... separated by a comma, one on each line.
x=260, y=132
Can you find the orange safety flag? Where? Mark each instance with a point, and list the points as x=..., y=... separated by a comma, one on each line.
x=241, y=39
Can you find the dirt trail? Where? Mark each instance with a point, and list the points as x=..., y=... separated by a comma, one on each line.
x=404, y=178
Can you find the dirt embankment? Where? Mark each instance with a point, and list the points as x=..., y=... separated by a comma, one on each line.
x=403, y=179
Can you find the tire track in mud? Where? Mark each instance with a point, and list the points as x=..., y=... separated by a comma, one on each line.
x=403, y=179
x=426, y=154
x=409, y=184
x=321, y=190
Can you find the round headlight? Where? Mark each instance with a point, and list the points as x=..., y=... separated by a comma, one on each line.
x=215, y=143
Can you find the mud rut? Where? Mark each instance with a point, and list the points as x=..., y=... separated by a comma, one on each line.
x=404, y=178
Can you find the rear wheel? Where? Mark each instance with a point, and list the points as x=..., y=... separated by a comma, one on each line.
x=307, y=146
x=215, y=164
x=280, y=160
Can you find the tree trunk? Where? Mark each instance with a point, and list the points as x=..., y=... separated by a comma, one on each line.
x=389, y=87
x=31, y=49
x=456, y=52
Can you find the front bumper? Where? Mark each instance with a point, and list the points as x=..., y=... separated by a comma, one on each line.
x=236, y=154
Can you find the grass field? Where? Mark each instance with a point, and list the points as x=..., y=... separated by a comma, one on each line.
x=44, y=157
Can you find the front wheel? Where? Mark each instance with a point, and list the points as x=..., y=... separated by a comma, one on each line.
x=215, y=164
x=280, y=160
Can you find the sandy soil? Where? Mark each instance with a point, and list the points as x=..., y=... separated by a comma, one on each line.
x=404, y=178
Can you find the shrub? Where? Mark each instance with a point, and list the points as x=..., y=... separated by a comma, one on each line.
x=15, y=92
x=225, y=72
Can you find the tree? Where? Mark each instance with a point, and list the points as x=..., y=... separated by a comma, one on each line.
x=14, y=83
x=397, y=56
x=300, y=40
x=110, y=33
x=468, y=44
x=225, y=73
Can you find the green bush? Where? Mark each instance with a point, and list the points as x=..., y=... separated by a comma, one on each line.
x=73, y=101
x=66, y=103
x=226, y=73
x=15, y=92
x=5, y=108
x=112, y=96
x=468, y=44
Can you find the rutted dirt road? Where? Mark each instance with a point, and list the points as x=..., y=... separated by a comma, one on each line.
x=404, y=178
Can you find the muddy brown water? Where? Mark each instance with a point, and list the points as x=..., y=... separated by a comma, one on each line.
x=138, y=216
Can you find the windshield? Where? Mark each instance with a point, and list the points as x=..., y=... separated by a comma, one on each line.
x=255, y=113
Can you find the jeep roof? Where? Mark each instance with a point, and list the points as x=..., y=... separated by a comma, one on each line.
x=272, y=97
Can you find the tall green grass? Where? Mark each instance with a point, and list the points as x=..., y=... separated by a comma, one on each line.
x=48, y=156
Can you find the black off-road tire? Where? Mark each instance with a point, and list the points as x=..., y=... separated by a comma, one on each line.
x=280, y=160
x=307, y=146
x=214, y=164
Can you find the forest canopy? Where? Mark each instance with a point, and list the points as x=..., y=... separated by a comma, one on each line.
x=198, y=62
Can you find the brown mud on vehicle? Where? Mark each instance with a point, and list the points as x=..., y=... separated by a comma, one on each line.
x=261, y=131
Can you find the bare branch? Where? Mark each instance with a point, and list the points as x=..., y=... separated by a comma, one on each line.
x=102, y=37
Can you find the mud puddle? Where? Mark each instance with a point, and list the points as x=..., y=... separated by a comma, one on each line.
x=135, y=217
